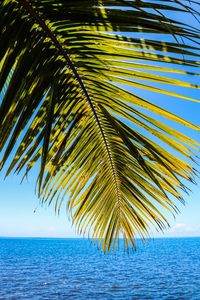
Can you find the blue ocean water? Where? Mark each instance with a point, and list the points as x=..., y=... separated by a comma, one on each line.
x=74, y=269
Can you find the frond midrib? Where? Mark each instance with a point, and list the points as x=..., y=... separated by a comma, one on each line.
x=41, y=22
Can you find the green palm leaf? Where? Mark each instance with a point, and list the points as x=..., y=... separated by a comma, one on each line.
x=69, y=76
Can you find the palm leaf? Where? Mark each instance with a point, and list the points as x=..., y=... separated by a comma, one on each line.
x=69, y=76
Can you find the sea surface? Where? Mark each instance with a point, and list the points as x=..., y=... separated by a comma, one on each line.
x=75, y=269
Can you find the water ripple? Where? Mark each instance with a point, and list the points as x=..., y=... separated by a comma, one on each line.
x=73, y=269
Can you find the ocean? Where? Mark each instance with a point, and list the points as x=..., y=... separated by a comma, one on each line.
x=74, y=269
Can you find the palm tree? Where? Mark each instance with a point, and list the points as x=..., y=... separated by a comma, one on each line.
x=70, y=72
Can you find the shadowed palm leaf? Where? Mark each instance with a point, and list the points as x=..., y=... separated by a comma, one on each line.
x=70, y=72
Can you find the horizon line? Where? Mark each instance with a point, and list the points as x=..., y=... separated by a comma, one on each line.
x=88, y=238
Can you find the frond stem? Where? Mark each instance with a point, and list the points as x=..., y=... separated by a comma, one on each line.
x=41, y=22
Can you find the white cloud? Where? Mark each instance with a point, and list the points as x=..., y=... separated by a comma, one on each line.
x=182, y=229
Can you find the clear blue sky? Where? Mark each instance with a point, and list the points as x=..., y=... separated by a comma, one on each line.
x=18, y=201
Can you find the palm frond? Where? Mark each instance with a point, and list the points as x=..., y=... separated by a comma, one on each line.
x=69, y=76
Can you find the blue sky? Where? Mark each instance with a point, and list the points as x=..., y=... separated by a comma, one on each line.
x=22, y=215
